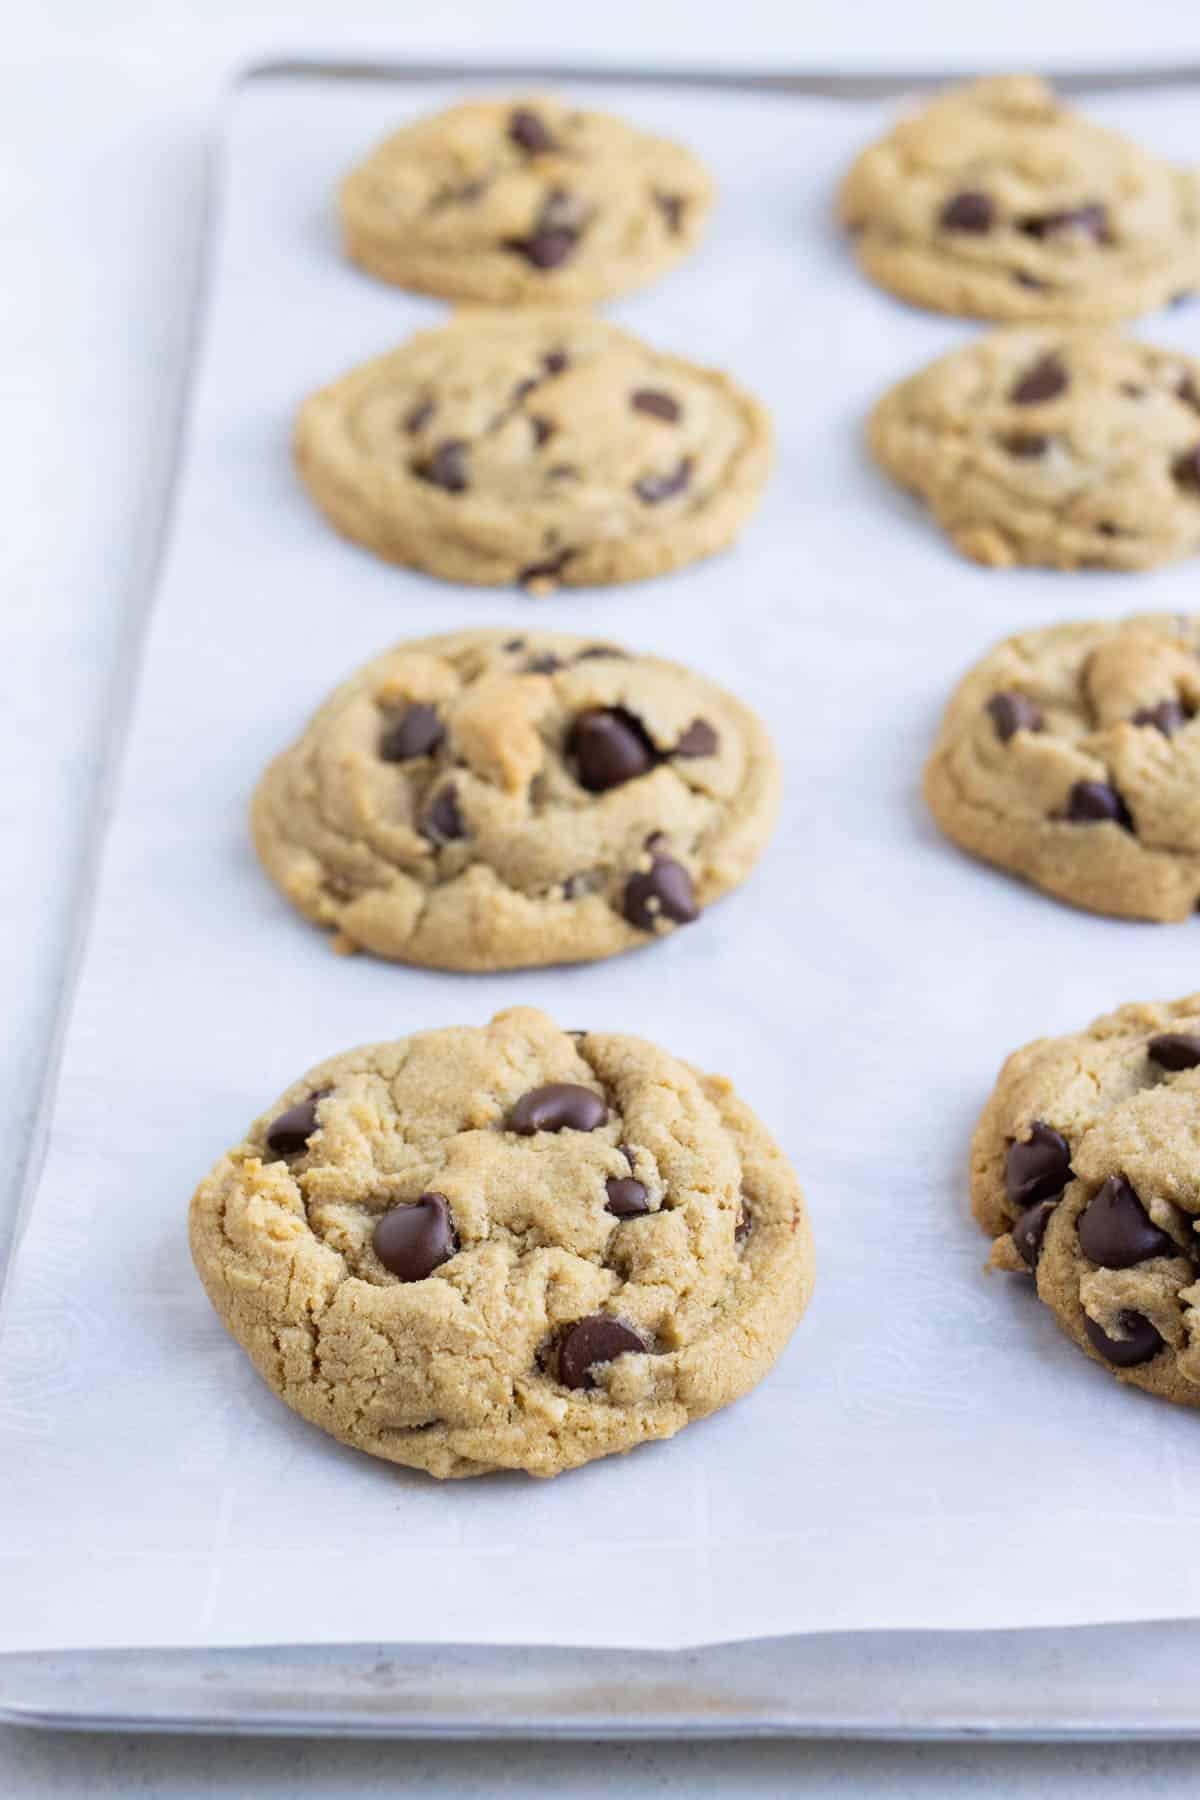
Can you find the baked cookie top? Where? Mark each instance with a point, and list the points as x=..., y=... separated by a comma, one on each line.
x=497, y=800
x=1071, y=756
x=501, y=201
x=505, y=1248
x=1073, y=449
x=1086, y=1168
x=534, y=447
x=998, y=201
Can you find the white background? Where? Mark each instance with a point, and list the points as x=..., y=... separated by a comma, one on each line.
x=108, y=111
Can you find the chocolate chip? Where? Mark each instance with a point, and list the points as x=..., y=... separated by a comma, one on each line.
x=627, y=1198
x=442, y=822
x=1140, y=1343
x=420, y=416
x=598, y=1339
x=664, y=891
x=653, y=488
x=547, y=249
x=671, y=207
x=1186, y=468
x=598, y=652
x=656, y=403
x=288, y=1135
x=545, y=570
x=1033, y=282
x=1096, y=803
x=698, y=740
x=1026, y=445
x=1030, y=1229
x=1012, y=712
x=1115, y=1229
x=544, y=664
x=1043, y=381
x=418, y=732
x=412, y=1240
x=1091, y=220
x=968, y=211
x=1168, y=717
x=526, y=129
x=1038, y=1169
x=543, y=430
x=447, y=466
x=745, y=1221
x=554, y=362
x=558, y=1106
x=609, y=746
x=514, y=644
x=1175, y=1050
x=1189, y=393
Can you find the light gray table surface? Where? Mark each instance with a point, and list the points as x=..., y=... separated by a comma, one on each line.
x=108, y=110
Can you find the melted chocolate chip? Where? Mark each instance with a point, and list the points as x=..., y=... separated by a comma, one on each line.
x=671, y=207
x=528, y=130
x=656, y=403
x=554, y=362
x=1140, y=1343
x=627, y=1198
x=418, y=732
x=655, y=488
x=420, y=416
x=1012, y=712
x=543, y=430
x=442, y=822
x=1096, y=803
x=598, y=652
x=598, y=1339
x=1026, y=446
x=447, y=466
x=1175, y=1050
x=554, y=237
x=1029, y=1231
x=1168, y=717
x=412, y=1240
x=1038, y=1169
x=968, y=211
x=1090, y=220
x=664, y=891
x=1044, y=381
x=609, y=746
x=288, y=1135
x=545, y=570
x=558, y=1106
x=698, y=740
x=1186, y=469
x=1116, y=1231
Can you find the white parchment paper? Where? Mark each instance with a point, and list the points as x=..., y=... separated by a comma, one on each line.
x=929, y=1451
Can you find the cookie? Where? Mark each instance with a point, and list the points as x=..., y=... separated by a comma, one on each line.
x=1071, y=449
x=998, y=201
x=537, y=448
x=1071, y=756
x=505, y=1248
x=487, y=800
x=1085, y=1168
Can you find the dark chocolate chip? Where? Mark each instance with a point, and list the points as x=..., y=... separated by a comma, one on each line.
x=547, y=249
x=514, y=644
x=598, y=1339
x=968, y=211
x=418, y=732
x=1038, y=1169
x=609, y=746
x=1140, y=1343
x=554, y=362
x=653, y=488
x=1027, y=446
x=1030, y=1229
x=1186, y=468
x=671, y=207
x=698, y=740
x=1046, y=379
x=1175, y=1050
x=1012, y=712
x=558, y=1106
x=744, y=1223
x=288, y=1135
x=1115, y=1229
x=528, y=130
x=544, y=664
x=442, y=822
x=1092, y=220
x=1168, y=717
x=1034, y=283
x=656, y=403
x=420, y=416
x=664, y=891
x=597, y=652
x=447, y=466
x=627, y=1198
x=413, y=1239
x=543, y=430
x=1096, y=803
x=545, y=570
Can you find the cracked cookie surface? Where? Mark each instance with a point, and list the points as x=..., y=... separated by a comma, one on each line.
x=998, y=201
x=1071, y=756
x=488, y=800
x=1070, y=449
x=536, y=448
x=501, y=202
x=505, y=1248
x=1085, y=1169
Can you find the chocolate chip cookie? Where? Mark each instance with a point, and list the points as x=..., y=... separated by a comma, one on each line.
x=524, y=200
x=537, y=448
x=487, y=800
x=505, y=1248
x=1071, y=756
x=1072, y=449
x=998, y=201
x=1085, y=1169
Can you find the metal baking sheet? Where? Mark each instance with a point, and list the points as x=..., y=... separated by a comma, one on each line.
x=1028, y=1683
